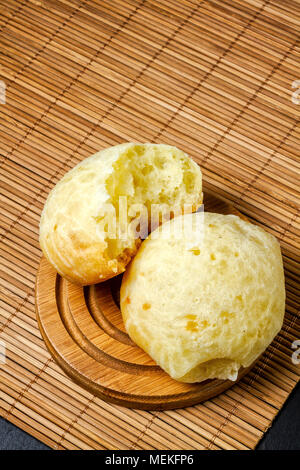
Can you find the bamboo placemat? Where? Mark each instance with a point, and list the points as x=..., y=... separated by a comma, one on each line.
x=212, y=77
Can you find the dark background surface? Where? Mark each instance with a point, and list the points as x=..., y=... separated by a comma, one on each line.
x=283, y=435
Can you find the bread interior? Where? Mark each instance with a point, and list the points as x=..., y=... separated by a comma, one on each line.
x=223, y=368
x=161, y=179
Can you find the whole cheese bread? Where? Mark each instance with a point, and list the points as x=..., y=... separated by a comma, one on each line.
x=205, y=303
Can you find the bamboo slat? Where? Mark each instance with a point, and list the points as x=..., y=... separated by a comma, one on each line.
x=212, y=77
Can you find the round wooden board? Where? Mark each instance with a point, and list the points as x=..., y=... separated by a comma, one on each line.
x=84, y=332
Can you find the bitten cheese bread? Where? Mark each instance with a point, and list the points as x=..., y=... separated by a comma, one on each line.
x=203, y=307
x=84, y=232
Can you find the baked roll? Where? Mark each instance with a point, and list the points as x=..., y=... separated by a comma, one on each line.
x=208, y=302
x=85, y=233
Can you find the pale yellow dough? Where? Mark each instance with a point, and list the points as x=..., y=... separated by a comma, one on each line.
x=204, y=309
x=73, y=235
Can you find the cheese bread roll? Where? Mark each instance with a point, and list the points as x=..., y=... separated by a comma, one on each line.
x=85, y=233
x=204, y=306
